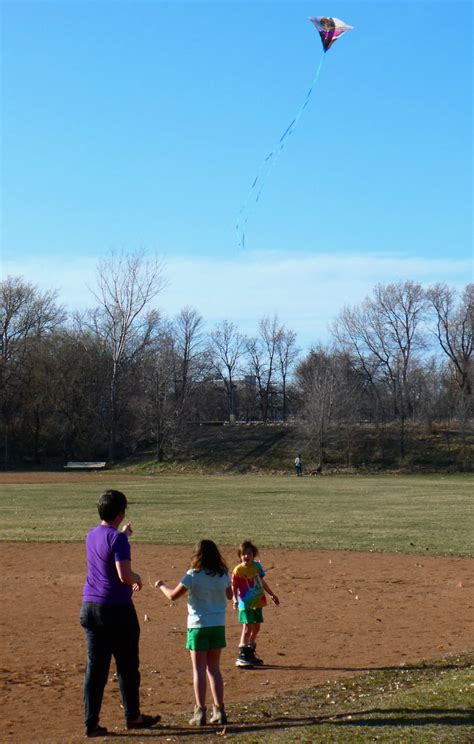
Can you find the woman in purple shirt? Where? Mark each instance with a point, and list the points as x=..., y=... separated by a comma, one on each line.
x=109, y=618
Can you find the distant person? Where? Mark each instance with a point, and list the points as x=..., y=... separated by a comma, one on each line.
x=208, y=583
x=249, y=589
x=298, y=466
x=109, y=618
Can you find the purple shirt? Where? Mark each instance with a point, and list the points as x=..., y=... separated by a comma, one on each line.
x=104, y=546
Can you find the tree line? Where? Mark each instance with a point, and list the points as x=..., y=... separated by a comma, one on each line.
x=120, y=377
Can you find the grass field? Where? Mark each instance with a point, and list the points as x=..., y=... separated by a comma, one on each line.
x=417, y=705
x=411, y=514
x=380, y=513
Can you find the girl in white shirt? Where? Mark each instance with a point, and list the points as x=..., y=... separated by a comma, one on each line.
x=208, y=584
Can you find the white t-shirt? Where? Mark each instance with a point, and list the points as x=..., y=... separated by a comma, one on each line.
x=206, y=598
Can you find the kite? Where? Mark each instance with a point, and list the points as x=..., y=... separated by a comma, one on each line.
x=329, y=29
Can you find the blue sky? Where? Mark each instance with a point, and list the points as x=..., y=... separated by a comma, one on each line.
x=132, y=125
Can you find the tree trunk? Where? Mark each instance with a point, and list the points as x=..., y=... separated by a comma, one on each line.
x=37, y=434
x=113, y=426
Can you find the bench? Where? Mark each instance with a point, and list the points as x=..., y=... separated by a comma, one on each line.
x=85, y=465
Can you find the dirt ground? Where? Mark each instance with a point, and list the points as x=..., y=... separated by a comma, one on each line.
x=340, y=613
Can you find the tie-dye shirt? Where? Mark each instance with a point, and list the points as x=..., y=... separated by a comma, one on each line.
x=246, y=582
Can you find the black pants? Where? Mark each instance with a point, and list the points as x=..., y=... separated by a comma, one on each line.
x=111, y=630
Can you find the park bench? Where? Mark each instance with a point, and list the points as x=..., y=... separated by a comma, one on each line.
x=85, y=465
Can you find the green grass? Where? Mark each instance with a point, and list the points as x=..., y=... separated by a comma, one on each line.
x=414, y=705
x=422, y=704
x=427, y=703
x=409, y=514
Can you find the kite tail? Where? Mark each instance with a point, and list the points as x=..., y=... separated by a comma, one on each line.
x=269, y=163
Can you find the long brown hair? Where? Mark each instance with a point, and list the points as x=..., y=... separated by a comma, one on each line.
x=206, y=557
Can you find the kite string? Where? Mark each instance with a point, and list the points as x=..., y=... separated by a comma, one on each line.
x=277, y=150
x=269, y=163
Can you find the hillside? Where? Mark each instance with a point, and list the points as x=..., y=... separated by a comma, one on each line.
x=272, y=448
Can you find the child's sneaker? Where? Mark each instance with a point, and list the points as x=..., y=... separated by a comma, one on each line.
x=253, y=657
x=199, y=717
x=244, y=659
x=219, y=715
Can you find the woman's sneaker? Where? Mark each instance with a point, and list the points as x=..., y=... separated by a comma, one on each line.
x=199, y=717
x=219, y=715
x=94, y=731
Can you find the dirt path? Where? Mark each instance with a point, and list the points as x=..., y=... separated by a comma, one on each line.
x=340, y=613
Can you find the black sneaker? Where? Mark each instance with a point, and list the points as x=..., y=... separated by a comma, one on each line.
x=254, y=658
x=244, y=659
x=96, y=730
x=145, y=722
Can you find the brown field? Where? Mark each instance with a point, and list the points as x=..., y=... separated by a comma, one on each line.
x=340, y=613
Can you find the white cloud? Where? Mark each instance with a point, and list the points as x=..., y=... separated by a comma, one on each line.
x=306, y=290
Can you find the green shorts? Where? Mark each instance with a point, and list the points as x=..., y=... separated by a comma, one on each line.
x=205, y=639
x=251, y=617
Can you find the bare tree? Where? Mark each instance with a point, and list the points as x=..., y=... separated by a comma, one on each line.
x=317, y=379
x=158, y=403
x=262, y=352
x=81, y=382
x=127, y=285
x=454, y=317
x=228, y=346
x=169, y=381
x=26, y=316
x=287, y=352
x=192, y=360
x=454, y=330
x=25, y=313
x=383, y=333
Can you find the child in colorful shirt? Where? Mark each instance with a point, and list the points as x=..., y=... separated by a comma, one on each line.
x=249, y=587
